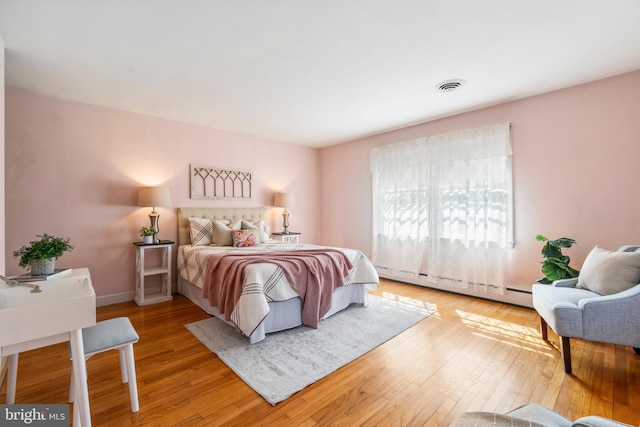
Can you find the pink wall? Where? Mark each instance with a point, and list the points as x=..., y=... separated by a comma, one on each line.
x=575, y=172
x=73, y=170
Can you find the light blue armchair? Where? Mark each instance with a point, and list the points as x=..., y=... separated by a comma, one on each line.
x=604, y=315
x=608, y=315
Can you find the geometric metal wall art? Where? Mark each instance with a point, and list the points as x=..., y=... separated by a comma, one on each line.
x=209, y=182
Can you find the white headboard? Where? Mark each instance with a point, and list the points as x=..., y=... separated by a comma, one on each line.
x=232, y=214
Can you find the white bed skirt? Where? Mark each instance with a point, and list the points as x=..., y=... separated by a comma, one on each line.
x=282, y=314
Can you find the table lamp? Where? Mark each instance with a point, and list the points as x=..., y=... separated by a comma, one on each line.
x=152, y=197
x=285, y=200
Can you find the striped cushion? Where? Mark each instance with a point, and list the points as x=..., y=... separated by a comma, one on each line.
x=201, y=231
x=491, y=419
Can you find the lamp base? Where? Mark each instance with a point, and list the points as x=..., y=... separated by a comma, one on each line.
x=153, y=219
x=285, y=222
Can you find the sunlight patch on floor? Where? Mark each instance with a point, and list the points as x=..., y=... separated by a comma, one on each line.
x=410, y=301
x=505, y=332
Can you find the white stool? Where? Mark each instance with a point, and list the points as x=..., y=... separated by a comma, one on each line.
x=113, y=334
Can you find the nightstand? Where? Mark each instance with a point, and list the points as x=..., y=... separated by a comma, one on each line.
x=290, y=237
x=163, y=270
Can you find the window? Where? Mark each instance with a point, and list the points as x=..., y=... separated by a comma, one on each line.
x=442, y=206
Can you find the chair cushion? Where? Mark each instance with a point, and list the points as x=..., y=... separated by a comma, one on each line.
x=108, y=334
x=608, y=273
x=558, y=306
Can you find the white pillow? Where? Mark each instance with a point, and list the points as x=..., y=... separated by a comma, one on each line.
x=608, y=272
x=257, y=224
x=201, y=230
x=222, y=232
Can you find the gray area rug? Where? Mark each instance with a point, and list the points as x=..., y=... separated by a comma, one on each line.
x=288, y=361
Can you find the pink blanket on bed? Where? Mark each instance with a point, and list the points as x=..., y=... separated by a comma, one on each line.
x=313, y=274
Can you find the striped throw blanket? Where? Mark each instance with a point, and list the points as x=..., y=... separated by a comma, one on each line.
x=314, y=274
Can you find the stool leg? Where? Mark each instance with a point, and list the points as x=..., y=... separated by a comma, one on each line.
x=12, y=377
x=123, y=365
x=133, y=382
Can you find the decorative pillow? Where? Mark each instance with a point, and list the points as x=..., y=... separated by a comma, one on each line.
x=608, y=272
x=260, y=226
x=222, y=232
x=201, y=230
x=244, y=238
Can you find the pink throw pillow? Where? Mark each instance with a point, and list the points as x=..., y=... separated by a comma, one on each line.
x=244, y=238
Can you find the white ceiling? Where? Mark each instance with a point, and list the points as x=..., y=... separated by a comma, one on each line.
x=312, y=72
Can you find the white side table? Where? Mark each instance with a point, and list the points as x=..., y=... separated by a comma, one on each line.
x=290, y=237
x=142, y=271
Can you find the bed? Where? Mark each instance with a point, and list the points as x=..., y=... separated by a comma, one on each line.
x=276, y=306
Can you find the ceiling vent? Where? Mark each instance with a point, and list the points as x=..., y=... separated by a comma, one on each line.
x=450, y=85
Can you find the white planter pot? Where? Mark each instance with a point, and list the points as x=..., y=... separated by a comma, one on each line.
x=43, y=266
x=147, y=239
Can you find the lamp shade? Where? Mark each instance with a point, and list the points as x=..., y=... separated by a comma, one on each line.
x=284, y=200
x=154, y=196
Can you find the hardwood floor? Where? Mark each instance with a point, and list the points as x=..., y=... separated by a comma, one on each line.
x=470, y=355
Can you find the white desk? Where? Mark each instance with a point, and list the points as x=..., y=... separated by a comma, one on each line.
x=56, y=314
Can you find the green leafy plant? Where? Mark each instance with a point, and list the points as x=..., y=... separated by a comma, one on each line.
x=555, y=265
x=146, y=230
x=47, y=247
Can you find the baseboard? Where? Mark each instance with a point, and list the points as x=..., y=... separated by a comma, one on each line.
x=114, y=299
x=124, y=296
x=513, y=294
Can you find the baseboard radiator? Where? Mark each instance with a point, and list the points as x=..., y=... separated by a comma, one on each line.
x=512, y=295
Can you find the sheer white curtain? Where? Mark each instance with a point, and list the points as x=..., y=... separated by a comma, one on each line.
x=442, y=206
x=400, y=207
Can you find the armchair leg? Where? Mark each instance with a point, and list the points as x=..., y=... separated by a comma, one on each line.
x=565, y=346
x=543, y=329
x=566, y=354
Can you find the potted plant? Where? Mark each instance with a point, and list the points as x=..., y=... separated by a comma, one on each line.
x=555, y=265
x=147, y=233
x=40, y=255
